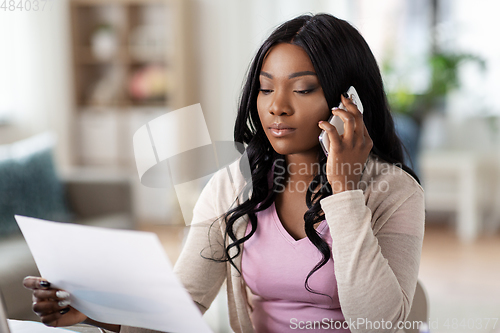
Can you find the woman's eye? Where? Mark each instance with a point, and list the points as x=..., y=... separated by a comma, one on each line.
x=266, y=91
x=304, y=92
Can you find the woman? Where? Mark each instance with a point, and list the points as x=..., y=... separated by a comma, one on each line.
x=323, y=242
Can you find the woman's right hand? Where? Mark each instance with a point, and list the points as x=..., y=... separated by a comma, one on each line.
x=52, y=305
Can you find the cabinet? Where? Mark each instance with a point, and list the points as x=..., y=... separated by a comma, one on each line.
x=131, y=63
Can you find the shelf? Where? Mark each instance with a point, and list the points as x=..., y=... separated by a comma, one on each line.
x=125, y=104
x=84, y=56
x=142, y=66
x=161, y=102
x=93, y=3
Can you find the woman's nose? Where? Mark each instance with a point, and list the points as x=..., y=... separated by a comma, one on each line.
x=280, y=105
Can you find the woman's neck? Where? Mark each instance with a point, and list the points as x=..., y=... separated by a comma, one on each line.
x=302, y=167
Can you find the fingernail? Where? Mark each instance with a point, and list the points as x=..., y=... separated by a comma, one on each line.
x=44, y=284
x=62, y=294
x=66, y=302
x=63, y=311
x=335, y=108
x=320, y=122
x=345, y=95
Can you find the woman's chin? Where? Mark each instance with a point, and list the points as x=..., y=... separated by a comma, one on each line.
x=288, y=150
x=282, y=150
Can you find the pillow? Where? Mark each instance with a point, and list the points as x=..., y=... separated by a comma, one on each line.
x=29, y=184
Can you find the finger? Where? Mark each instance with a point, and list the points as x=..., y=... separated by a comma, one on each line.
x=331, y=131
x=43, y=294
x=350, y=106
x=358, y=116
x=52, y=319
x=349, y=124
x=44, y=308
x=33, y=282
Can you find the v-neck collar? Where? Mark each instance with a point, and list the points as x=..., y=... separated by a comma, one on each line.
x=289, y=238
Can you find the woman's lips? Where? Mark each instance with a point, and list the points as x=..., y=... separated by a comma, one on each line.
x=281, y=132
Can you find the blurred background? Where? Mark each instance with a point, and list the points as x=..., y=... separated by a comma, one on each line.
x=79, y=77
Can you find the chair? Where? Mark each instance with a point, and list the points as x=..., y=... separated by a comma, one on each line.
x=419, y=308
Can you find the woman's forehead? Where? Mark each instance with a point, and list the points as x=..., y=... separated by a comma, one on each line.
x=284, y=59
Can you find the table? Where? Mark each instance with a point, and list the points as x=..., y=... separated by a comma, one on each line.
x=463, y=182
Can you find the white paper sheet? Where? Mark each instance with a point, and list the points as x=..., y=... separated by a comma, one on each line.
x=20, y=326
x=114, y=276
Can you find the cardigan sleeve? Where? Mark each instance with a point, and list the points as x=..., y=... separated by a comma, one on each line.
x=200, y=274
x=376, y=256
x=201, y=277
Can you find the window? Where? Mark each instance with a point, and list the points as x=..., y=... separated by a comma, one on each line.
x=12, y=28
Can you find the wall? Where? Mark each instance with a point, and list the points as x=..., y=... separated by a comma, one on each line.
x=227, y=34
x=39, y=69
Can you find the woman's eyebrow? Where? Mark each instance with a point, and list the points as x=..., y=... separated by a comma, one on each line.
x=291, y=76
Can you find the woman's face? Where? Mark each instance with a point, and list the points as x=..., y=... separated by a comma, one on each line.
x=291, y=101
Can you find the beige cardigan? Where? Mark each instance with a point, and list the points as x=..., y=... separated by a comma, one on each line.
x=377, y=233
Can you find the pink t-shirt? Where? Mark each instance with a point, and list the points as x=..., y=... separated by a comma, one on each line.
x=275, y=266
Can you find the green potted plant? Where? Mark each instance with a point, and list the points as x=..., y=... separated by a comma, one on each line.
x=410, y=109
x=444, y=78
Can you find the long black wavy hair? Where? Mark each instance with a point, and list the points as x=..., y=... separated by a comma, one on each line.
x=341, y=58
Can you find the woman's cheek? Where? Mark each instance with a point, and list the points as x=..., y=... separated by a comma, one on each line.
x=321, y=112
x=261, y=107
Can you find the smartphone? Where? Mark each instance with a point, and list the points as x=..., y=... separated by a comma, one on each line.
x=337, y=121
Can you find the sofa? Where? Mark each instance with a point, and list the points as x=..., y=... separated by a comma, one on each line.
x=30, y=185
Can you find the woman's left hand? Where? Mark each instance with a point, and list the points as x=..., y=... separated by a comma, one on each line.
x=348, y=152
